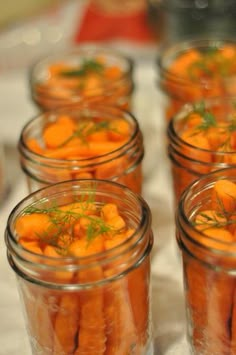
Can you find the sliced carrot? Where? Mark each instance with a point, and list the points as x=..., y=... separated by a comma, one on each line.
x=57, y=134
x=113, y=72
x=34, y=146
x=31, y=245
x=81, y=247
x=224, y=196
x=90, y=150
x=34, y=226
x=109, y=211
x=119, y=129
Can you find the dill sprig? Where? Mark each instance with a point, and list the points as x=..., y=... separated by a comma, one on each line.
x=86, y=129
x=62, y=221
x=208, y=119
x=87, y=67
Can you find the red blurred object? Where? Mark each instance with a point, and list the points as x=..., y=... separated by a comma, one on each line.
x=103, y=26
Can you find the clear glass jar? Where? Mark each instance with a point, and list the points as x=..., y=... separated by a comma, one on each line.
x=62, y=79
x=122, y=164
x=209, y=269
x=95, y=304
x=181, y=84
x=188, y=161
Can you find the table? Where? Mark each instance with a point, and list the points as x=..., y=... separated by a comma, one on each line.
x=168, y=307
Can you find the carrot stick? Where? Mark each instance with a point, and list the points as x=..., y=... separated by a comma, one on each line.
x=139, y=293
x=197, y=291
x=219, y=310
x=122, y=335
x=66, y=324
x=233, y=325
x=91, y=336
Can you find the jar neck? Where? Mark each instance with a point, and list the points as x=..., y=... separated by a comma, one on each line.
x=92, y=270
x=212, y=252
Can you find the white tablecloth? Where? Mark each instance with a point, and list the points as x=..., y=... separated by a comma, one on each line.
x=168, y=310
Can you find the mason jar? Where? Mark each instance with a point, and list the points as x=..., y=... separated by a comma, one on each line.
x=209, y=264
x=85, y=73
x=197, y=147
x=91, y=155
x=91, y=295
x=195, y=69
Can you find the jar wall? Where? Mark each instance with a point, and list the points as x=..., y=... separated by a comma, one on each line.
x=95, y=303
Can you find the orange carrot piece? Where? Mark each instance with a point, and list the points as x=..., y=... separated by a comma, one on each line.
x=109, y=211
x=86, y=150
x=91, y=335
x=81, y=247
x=122, y=335
x=139, y=293
x=220, y=304
x=233, y=325
x=224, y=196
x=66, y=324
x=34, y=146
x=119, y=130
x=33, y=226
x=56, y=134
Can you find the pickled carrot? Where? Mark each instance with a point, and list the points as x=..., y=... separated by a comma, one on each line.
x=138, y=285
x=66, y=324
x=122, y=335
x=34, y=146
x=219, y=313
x=57, y=134
x=224, y=196
x=92, y=149
x=32, y=226
x=91, y=334
x=102, y=320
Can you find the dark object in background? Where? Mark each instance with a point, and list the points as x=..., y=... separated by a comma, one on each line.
x=174, y=20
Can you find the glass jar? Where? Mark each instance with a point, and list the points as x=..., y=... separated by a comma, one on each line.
x=209, y=265
x=91, y=303
x=86, y=73
x=196, y=69
x=115, y=160
x=197, y=147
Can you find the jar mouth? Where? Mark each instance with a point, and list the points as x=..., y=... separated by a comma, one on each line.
x=110, y=112
x=75, y=56
x=64, y=192
x=176, y=127
x=170, y=52
x=192, y=240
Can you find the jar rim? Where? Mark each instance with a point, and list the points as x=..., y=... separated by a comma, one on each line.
x=98, y=108
x=81, y=52
x=170, y=51
x=80, y=186
x=175, y=139
x=187, y=231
